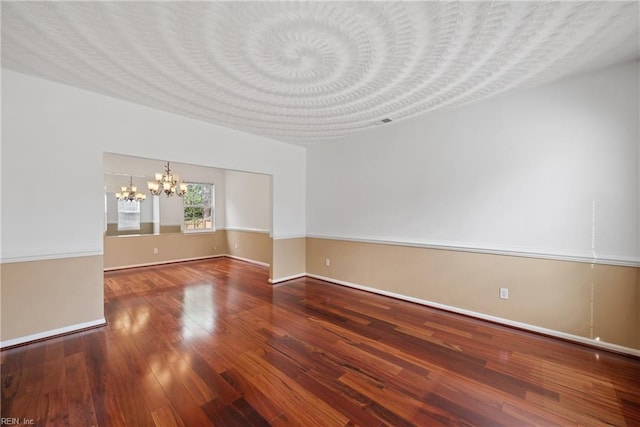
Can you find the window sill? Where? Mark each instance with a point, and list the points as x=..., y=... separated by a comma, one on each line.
x=187, y=232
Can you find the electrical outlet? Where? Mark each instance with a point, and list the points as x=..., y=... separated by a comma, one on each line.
x=155, y=251
x=327, y=262
x=504, y=293
x=236, y=246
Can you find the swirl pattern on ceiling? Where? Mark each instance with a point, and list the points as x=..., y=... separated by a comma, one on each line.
x=306, y=72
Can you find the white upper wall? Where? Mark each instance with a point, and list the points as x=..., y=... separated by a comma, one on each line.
x=54, y=136
x=248, y=201
x=551, y=170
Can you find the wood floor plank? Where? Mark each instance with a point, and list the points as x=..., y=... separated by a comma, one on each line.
x=398, y=403
x=212, y=343
x=165, y=416
x=103, y=390
x=223, y=414
x=251, y=394
x=352, y=406
x=54, y=375
x=216, y=385
x=53, y=404
x=199, y=390
x=80, y=404
x=191, y=414
x=287, y=394
x=252, y=417
x=26, y=406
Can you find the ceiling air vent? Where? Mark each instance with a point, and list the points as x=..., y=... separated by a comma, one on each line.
x=382, y=122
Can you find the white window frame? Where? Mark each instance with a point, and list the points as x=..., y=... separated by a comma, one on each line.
x=203, y=206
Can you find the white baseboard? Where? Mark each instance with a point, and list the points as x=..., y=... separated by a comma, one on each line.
x=52, y=333
x=284, y=279
x=550, y=332
x=173, y=261
x=252, y=261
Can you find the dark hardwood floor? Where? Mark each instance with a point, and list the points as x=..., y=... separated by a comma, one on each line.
x=212, y=343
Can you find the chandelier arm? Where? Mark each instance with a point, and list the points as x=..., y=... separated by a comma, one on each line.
x=129, y=194
x=166, y=183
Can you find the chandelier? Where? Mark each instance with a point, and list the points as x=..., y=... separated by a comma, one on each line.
x=130, y=193
x=168, y=184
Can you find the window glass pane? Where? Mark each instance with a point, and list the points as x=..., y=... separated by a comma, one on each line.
x=198, y=207
x=128, y=215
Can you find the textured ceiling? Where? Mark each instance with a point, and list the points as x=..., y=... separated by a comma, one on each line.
x=306, y=72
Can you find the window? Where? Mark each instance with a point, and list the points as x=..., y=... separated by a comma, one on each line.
x=128, y=215
x=197, y=205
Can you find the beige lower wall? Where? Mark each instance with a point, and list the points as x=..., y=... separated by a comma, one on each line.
x=571, y=297
x=289, y=258
x=41, y=296
x=576, y=298
x=171, y=229
x=250, y=245
x=129, y=251
x=616, y=306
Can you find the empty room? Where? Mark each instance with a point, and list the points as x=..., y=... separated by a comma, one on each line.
x=320, y=213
